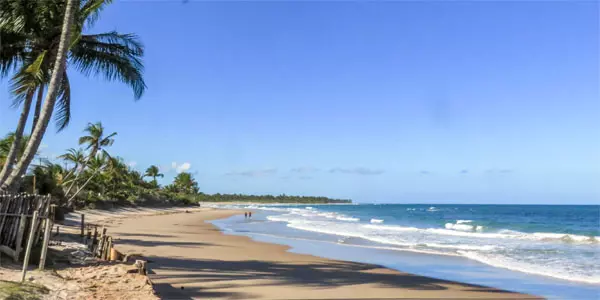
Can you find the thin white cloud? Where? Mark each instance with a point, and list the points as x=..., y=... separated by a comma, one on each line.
x=253, y=173
x=184, y=167
x=304, y=170
x=132, y=164
x=499, y=171
x=174, y=166
x=357, y=171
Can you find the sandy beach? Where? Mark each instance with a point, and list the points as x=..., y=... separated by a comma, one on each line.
x=191, y=259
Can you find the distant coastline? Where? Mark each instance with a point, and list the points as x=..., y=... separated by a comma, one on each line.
x=282, y=199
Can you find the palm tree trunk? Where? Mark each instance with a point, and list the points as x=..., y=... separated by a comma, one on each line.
x=85, y=163
x=70, y=201
x=13, y=153
x=38, y=106
x=40, y=128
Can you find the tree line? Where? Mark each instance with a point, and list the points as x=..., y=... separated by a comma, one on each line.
x=92, y=176
x=267, y=199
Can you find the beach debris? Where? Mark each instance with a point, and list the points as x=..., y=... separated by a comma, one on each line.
x=141, y=266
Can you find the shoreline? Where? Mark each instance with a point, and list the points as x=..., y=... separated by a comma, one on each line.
x=201, y=261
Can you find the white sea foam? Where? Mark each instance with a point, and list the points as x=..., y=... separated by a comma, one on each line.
x=542, y=253
x=391, y=227
x=462, y=247
x=460, y=227
x=561, y=272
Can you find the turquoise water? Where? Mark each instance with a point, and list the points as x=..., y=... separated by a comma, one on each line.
x=554, y=245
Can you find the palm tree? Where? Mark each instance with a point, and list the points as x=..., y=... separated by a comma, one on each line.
x=30, y=31
x=5, y=145
x=96, y=142
x=95, y=139
x=76, y=157
x=40, y=128
x=185, y=182
x=153, y=172
x=95, y=165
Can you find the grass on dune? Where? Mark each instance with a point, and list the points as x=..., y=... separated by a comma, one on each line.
x=16, y=291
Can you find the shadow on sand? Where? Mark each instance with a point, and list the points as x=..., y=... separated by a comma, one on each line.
x=243, y=274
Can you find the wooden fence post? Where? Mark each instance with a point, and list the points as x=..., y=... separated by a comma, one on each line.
x=20, y=233
x=30, y=242
x=45, y=244
x=82, y=225
x=95, y=239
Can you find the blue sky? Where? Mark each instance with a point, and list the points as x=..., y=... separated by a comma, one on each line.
x=471, y=102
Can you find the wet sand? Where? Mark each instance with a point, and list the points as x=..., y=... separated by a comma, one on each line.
x=191, y=259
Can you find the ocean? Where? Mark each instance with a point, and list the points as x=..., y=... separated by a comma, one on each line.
x=549, y=245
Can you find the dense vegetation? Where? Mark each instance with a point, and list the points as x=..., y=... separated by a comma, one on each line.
x=267, y=198
x=41, y=41
x=91, y=176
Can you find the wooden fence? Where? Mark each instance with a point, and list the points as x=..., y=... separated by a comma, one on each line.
x=18, y=225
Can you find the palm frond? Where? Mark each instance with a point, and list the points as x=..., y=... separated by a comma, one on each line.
x=86, y=139
x=28, y=78
x=90, y=11
x=108, y=141
x=112, y=55
x=12, y=50
x=63, y=113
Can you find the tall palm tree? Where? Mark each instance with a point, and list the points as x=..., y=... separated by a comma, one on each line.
x=31, y=29
x=153, y=171
x=76, y=157
x=95, y=165
x=96, y=142
x=185, y=182
x=40, y=128
x=5, y=144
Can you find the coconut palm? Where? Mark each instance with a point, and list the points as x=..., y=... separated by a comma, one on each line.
x=5, y=145
x=76, y=157
x=32, y=29
x=96, y=142
x=95, y=165
x=40, y=128
x=185, y=183
x=153, y=171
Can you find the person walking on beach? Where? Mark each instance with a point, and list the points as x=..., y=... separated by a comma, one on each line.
x=249, y=214
x=245, y=215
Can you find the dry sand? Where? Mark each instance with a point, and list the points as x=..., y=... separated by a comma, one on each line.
x=191, y=259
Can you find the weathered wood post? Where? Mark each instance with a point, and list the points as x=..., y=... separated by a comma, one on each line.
x=20, y=234
x=53, y=212
x=101, y=243
x=45, y=244
x=88, y=239
x=30, y=242
x=95, y=239
x=141, y=266
x=82, y=226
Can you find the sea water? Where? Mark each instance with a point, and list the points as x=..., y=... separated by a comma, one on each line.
x=554, y=248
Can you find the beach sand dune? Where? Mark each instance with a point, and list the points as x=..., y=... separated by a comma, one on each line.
x=191, y=259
